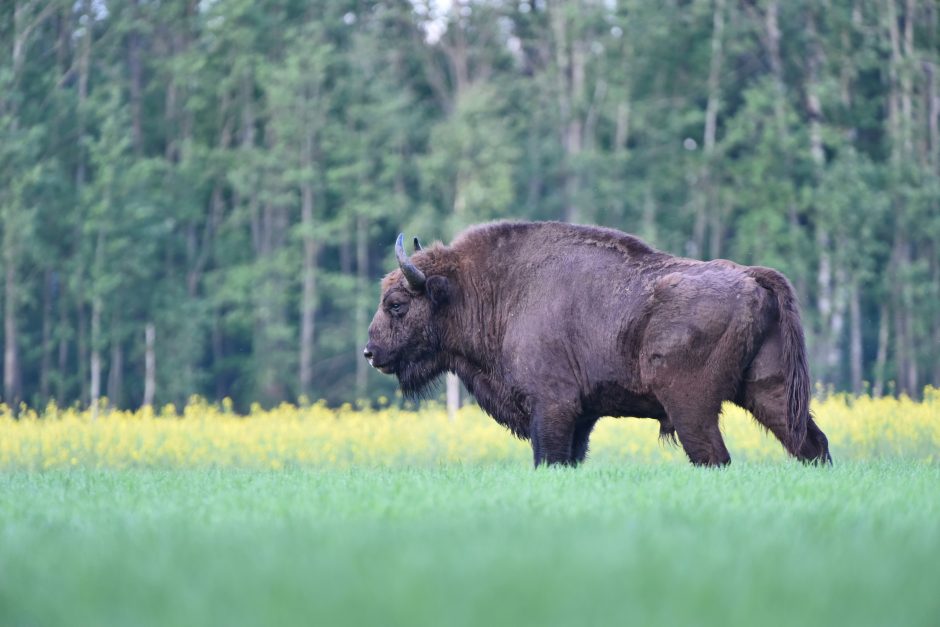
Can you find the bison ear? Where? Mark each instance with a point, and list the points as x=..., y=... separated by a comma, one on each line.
x=439, y=289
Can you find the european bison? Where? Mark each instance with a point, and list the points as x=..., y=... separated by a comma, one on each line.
x=551, y=326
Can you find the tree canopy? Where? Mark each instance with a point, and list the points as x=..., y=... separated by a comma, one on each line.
x=199, y=197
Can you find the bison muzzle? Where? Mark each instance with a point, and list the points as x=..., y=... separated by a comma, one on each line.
x=551, y=326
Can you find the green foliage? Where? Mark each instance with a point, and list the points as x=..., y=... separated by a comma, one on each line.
x=180, y=164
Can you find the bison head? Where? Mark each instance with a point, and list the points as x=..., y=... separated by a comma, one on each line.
x=406, y=331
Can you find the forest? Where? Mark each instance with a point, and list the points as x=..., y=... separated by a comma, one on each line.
x=200, y=196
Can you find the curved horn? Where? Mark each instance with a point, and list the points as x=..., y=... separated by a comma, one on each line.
x=414, y=276
x=417, y=245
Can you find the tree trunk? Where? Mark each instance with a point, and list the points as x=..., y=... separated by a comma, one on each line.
x=362, y=306
x=907, y=75
x=82, y=315
x=570, y=58
x=834, y=363
x=855, y=339
x=622, y=126
x=84, y=65
x=713, y=210
x=704, y=196
x=649, y=214
x=12, y=391
x=458, y=54
x=94, y=391
x=933, y=116
x=772, y=43
x=12, y=381
x=901, y=126
x=824, y=305
x=45, y=362
x=830, y=304
x=63, y=356
x=881, y=358
x=714, y=76
x=933, y=156
x=935, y=318
x=115, y=369
x=308, y=303
x=906, y=364
x=771, y=38
x=150, y=364
x=269, y=310
x=453, y=395
x=911, y=374
x=935, y=323
x=218, y=354
x=135, y=70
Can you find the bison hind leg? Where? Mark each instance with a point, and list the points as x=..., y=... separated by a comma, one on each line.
x=766, y=400
x=763, y=392
x=695, y=420
x=815, y=447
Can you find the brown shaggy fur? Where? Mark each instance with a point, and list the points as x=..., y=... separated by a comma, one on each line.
x=551, y=326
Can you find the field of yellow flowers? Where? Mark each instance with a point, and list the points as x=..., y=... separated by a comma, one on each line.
x=209, y=435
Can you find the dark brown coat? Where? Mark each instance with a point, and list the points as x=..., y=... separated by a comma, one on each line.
x=551, y=326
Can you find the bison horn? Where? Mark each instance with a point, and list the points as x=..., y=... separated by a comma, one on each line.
x=417, y=245
x=414, y=276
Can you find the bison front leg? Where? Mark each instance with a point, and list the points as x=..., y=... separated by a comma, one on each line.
x=582, y=433
x=552, y=433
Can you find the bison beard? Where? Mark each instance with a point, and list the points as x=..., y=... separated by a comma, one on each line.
x=418, y=379
x=551, y=326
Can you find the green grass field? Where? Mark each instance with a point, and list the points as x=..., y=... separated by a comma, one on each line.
x=667, y=544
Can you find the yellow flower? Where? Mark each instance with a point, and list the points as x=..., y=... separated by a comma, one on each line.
x=204, y=434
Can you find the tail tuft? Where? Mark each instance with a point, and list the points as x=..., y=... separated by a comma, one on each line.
x=794, y=353
x=667, y=433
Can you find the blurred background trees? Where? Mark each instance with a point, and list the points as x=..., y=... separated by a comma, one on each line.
x=199, y=196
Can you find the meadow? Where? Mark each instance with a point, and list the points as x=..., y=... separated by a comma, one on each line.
x=318, y=516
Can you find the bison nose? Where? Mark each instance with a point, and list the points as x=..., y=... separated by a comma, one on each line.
x=367, y=353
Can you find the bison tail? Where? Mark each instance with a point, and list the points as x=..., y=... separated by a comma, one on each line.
x=794, y=354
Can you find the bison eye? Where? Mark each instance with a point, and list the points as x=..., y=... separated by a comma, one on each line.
x=396, y=307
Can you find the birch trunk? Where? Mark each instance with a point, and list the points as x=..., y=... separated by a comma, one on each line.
x=452, y=385
x=900, y=123
x=570, y=65
x=23, y=25
x=94, y=388
x=831, y=302
x=705, y=196
x=84, y=65
x=935, y=319
x=116, y=374
x=63, y=352
x=771, y=37
x=11, y=354
x=855, y=339
x=362, y=307
x=881, y=358
x=45, y=363
x=308, y=303
x=150, y=364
